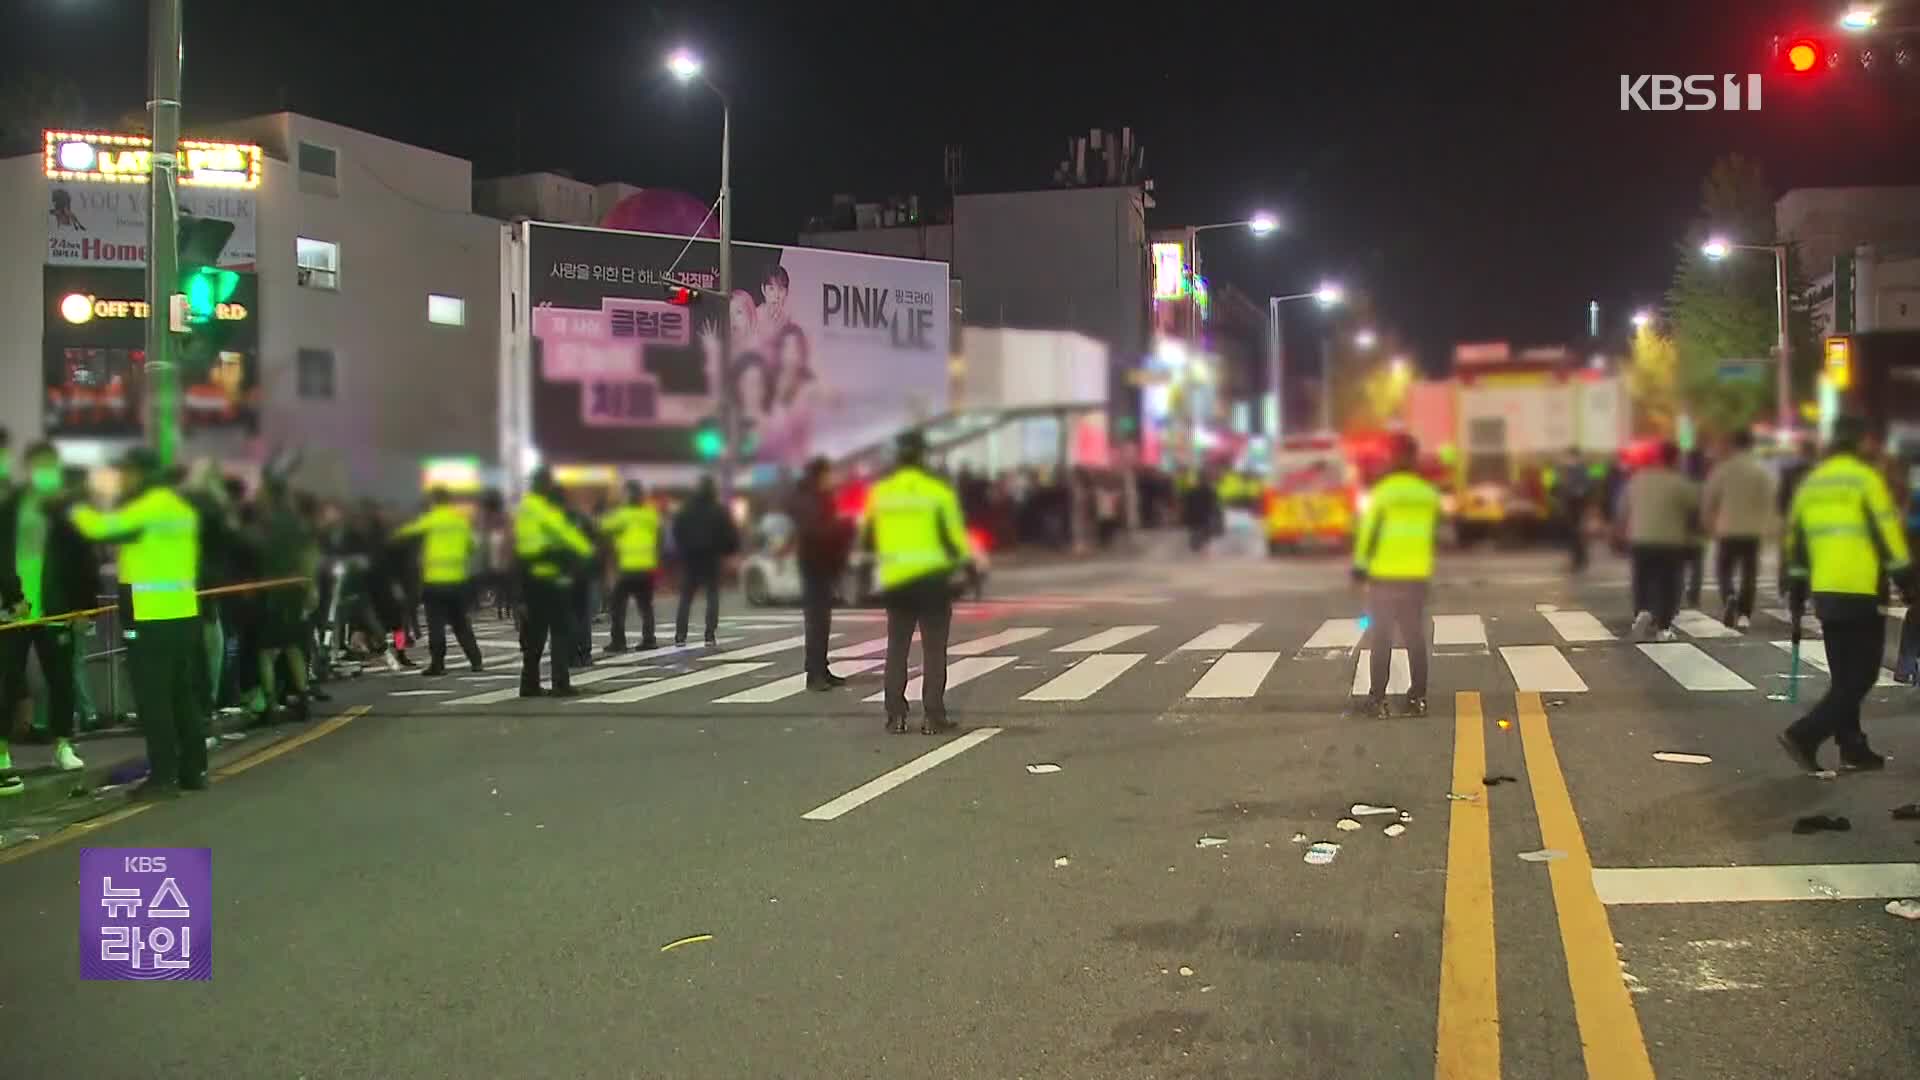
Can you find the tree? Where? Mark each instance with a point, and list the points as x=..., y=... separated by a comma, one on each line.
x=1726, y=309
x=1653, y=381
x=32, y=102
x=1369, y=388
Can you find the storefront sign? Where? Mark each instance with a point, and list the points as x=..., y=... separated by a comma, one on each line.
x=78, y=308
x=1169, y=272
x=106, y=224
x=129, y=158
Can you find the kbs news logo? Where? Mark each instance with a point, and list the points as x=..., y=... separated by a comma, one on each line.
x=1691, y=93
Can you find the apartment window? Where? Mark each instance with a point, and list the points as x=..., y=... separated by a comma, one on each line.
x=317, y=160
x=446, y=310
x=314, y=370
x=318, y=262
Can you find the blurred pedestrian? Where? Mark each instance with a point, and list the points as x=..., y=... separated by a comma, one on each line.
x=1662, y=505
x=913, y=527
x=1737, y=509
x=47, y=568
x=289, y=548
x=551, y=552
x=705, y=536
x=1393, y=557
x=1573, y=486
x=447, y=549
x=635, y=530
x=822, y=547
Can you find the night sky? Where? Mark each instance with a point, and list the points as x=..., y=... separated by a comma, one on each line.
x=1466, y=163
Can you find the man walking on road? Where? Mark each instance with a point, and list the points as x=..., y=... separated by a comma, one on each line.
x=1737, y=508
x=1842, y=533
x=446, y=559
x=820, y=546
x=46, y=568
x=1573, y=489
x=1393, y=556
x=705, y=536
x=551, y=551
x=914, y=530
x=635, y=529
x=1661, y=507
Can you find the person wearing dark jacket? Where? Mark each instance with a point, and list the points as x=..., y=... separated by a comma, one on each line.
x=46, y=568
x=822, y=545
x=704, y=535
x=223, y=561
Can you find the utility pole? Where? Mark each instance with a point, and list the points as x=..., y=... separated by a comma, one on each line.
x=1783, y=377
x=729, y=389
x=163, y=379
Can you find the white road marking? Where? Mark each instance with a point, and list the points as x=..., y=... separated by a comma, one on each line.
x=1335, y=634
x=766, y=648
x=1577, y=626
x=418, y=693
x=1085, y=678
x=1541, y=668
x=1459, y=630
x=1235, y=675
x=1692, y=668
x=1756, y=884
x=983, y=645
x=1701, y=625
x=1399, y=677
x=676, y=683
x=580, y=678
x=959, y=672
x=1814, y=655
x=1109, y=638
x=781, y=689
x=887, y=781
x=860, y=648
x=1221, y=638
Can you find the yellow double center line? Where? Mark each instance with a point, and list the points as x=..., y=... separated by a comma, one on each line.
x=1468, y=1033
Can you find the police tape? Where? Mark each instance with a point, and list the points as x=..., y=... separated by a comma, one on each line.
x=222, y=590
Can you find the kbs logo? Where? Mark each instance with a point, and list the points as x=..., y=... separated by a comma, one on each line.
x=1689, y=93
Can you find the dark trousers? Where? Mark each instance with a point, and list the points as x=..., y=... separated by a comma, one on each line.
x=165, y=658
x=1657, y=569
x=1576, y=538
x=1738, y=554
x=1695, y=564
x=447, y=604
x=926, y=605
x=697, y=576
x=816, y=606
x=549, y=615
x=581, y=598
x=1397, y=611
x=1853, y=659
x=637, y=584
x=54, y=645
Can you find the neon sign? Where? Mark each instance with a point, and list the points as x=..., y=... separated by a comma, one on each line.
x=1169, y=272
x=129, y=159
x=80, y=308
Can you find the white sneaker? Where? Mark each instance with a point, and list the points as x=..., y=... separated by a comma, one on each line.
x=1666, y=635
x=1642, y=622
x=1742, y=623
x=65, y=758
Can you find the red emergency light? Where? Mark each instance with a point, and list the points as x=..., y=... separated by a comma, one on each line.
x=680, y=296
x=1803, y=55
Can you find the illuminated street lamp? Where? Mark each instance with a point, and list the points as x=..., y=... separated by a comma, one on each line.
x=1328, y=295
x=1859, y=19
x=1718, y=248
x=1402, y=367
x=1260, y=224
x=1642, y=320
x=1365, y=340
x=686, y=66
x=1263, y=223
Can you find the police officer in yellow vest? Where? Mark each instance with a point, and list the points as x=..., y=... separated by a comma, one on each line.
x=446, y=561
x=159, y=536
x=916, y=533
x=1842, y=533
x=635, y=529
x=1393, y=553
x=551, y=551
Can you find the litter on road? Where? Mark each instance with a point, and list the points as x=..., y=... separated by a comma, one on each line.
x=1454, y=796
x=1395, y=829
x=1322, y=853
x=1299, y=838
x=1210, y=841
x=1682, y=759
x=1814, y=823
x=1185, y=971
x=1347, y=824
x=692, y=940
x=1496, y=781
x=1361, y=809
x=1543, y=855
x=1062, y=861
x=1043, y=767
x=1909, y=812
x=1905, y=909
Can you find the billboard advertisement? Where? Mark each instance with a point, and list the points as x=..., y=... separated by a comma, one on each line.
x=92, y=224
x=94, y=353
x=831, y=351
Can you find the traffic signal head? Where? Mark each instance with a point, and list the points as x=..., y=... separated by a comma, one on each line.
x=1803, y=55
x=708, y=442
x=680, y=296
x=206, y=287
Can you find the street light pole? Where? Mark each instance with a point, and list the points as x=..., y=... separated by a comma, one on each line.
x=162, y=380
x=1783, y=393
x=1276, y=366
x=729, y=399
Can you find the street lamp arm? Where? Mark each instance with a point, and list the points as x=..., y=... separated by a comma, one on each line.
x=1290, y=297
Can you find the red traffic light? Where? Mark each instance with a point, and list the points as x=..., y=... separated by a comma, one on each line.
x=680, y=296
x=1803, y=55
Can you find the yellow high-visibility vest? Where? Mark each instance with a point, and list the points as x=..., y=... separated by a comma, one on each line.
x=916, y=526
x=447, y=549
x=540, y=532
x=1395, y=541
x=1842, y=529
x=159, y=537
x=636, y=536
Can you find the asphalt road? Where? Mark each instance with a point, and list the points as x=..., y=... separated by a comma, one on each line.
x=457, y=888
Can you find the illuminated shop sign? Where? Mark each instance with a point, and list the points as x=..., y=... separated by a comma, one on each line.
x=80, y=308
x=129, y=158
x=1169, y=272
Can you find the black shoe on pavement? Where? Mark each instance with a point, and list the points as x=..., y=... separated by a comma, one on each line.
x=615, y=649
x=1860, y=758
x=1416, y=706
x=433, y=670
x=477, y=666
x=680, y=642
x=939, y=727
x=1378, y=709
x=649, y=645
x=896, y=725
x=150, y=791
x=198, y=783
x=532, y=691
x=405, y=662
x=819, y=685
x=836, y=680
x=563, y=692
x=713, y=641
x=1803, y=758
x=314, y=693
x=1730, y=618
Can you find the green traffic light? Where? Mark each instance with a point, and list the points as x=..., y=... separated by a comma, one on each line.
x=206, y=287
x=708, y=443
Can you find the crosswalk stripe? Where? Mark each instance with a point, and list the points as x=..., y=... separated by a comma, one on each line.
x=782, y=689
x=1106, y=639
x=1221, y=638
x=1692, y=668
x=1335, y=634
x=582, y=678
x=959, y=672
x=1459, y=630
x=1577, y=626
x=1814, y=654
x=1702, y=625
x=668, y=686
x=1083, y=679
x=767, y=648
x=861, y=648
x=1541, y=669
x=1005, y=638
x=1235, y=675
x=1399, y=677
